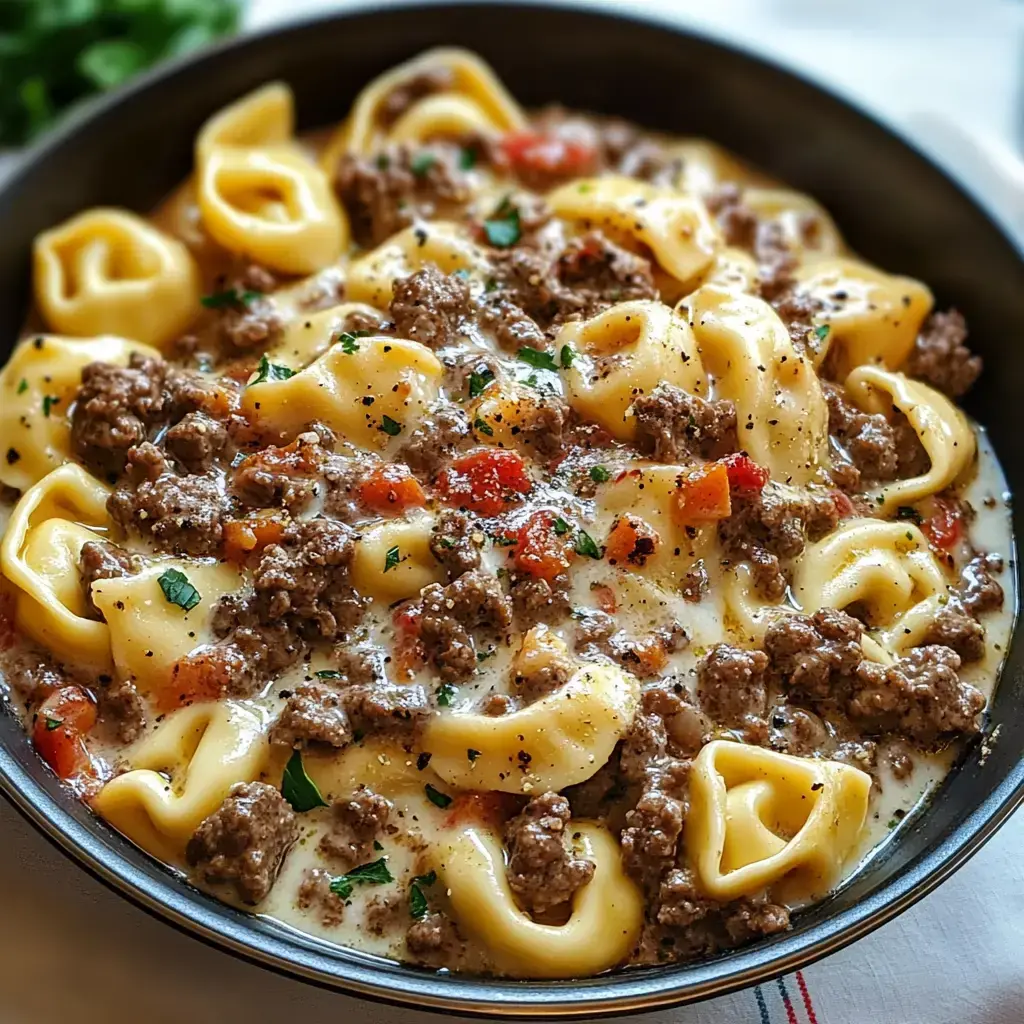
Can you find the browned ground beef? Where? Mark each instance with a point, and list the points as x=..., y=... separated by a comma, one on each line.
x=979, y=590
x=868, y=439
x=356, y=823
x=103, y=560
x=811, y=654
x=542, y=869
x=434, y=939
x=597, y=635
x=196, y=441
x=415, y=87
x=451, y=614
x=941, y=358
x=385, y=707
x=674, y=425
x=122, y=707
x=954, y=628
x=535, y=600
x=314, y=713
x=253, y=322
x=731, y=686
x=651, y=837
x=920, y=696
x=430, y=307
x=455, y=541
x=183, y=514
x=245, y=840
x=443, y=432
x=315, y=893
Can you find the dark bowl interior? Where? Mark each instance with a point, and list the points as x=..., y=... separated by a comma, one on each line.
x=896, y=209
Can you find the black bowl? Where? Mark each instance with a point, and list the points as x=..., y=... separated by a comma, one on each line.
x=895, y=207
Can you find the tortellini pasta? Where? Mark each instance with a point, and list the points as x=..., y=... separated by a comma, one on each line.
x=872, y=317
x=108, y=271
x=603, y=926
x=805, y=226
x=205, y=749
x=373, y=573
x=567, y=736
x=624, y=352
x=941, y=427
x=781, y=415
x=39, y=554
x=37, y=387
x=675, y=226
x=885, y=567
x=759, y=818
x=148, y=633
x=469, y=100
x=378, y=390
x=259, y=195
x=444, y=245
x=308, y=337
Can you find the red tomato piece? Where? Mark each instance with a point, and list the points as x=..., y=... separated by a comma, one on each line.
x=945, y=526
x=541, y=550
x=485, y=481
x=548, y=154
x=391, y=488
x=703, y=495
x=631, y=540
x=59, y=729
x=745, y=475
x=204, y=674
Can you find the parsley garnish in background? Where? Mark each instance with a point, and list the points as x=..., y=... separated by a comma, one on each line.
x=298, y=788
x=177, y=589
x=349, y=344
x=561, y=527
x=22, y=386
x=374, y=873
x=328, y=673
x=483, y=427
x=230, y=297
x=479, y=381
x=49, y=401
x=821, y=331
x=503, y=229
x=436, y=797
x=421, y=163
x=445, y=692
x=390, y=427
x=270, y=371
x=586, y=545
x=392, y=559
x=537, y=359
x=467, y=159
x=417, y=901
x=54, y=53
x=567, y=355
x=599, y=474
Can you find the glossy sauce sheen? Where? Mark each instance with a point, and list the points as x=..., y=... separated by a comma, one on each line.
x=654, y=271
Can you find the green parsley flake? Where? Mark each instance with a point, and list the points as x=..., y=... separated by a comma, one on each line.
x=269, y=371
x=374, y=873
x=49, y=401
x=377, y=846
x=467, y=159
x=53, y=723
x=392, y=559
x=910, y=513
x=567, y=355
x=821, y=332
x=479, y=381
x=561, y=527
x=390, y=427
x=328, y=673
x=417, y=901
x=503, y=229
x=585, y=545
x=483, y=427
x=231, y=298
x=349, y=342
x=177, y=589
x=421, y=163
x=445, y=692
x=472, y=754
x=298, y=788
x=22, y=386
x=436, y=797
x=599, y=474
x=538, y=360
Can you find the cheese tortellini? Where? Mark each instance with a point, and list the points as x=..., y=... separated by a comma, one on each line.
x=758, y=818
x=37, y=387
x=108, y=271
x=414, y=566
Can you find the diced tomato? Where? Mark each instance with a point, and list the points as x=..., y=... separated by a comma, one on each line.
x=649, y=657
x=203, y=675
x=844, y=506
x=243, y=537
x=407, y=618
x=491, y=809
x=486, y=481
x=745, y=475
x=58, y=732
x=605, y=597
x=631, y=540
x=407, y=654
x=703, y=495
x=541, y=550
x=945, y=526
x=549, y=154
x=391, y=488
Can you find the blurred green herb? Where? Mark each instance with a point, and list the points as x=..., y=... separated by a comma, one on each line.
x=54, y=53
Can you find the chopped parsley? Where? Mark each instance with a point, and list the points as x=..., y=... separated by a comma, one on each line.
x=821, y=332
x=349, y=342
x=377, y=846
x=445, y=692
x=328, y=673
x=53, y=723
x=298, y=788
x=567, y=355
x=421, y=163
x=561, y=526
x=467, y=159
x=231, y=298
x=484, y=655
x=49, y=401
x=436, y=797
x=503, y=229
x=910, y=513
x=269, y=371
x=390, y=427
x=479, y=381
x=392, y=559
x=374, y=873
x=483, y=427
x=472, y=754
x=417, y=901
x=599, y=474
x=22, y=386
x=537, y=359
x=585, y=545
x=177, y=589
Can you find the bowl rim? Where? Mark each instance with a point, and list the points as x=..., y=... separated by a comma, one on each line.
x=284, y=950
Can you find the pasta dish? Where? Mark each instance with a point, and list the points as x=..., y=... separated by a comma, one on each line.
x=514, y=543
